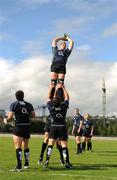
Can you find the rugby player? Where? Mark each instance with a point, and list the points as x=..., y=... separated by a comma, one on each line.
x=47, y=130
x=60, y=57
x=87, y=127
x=23, y=111
x=58, y=109
x=77, y=129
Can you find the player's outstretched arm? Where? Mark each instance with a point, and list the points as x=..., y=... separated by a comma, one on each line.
x=66, y=95
x=55, y=40
x=71, y=42
x=51, y=86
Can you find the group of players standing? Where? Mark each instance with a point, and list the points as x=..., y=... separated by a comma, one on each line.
x=57, y=103
x=83, y=131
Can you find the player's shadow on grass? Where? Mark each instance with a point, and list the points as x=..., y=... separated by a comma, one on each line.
x=86, y=167
x=115, y=152
x=75, y=167
x=107, y=153
x=80, y=167
x=95, y=166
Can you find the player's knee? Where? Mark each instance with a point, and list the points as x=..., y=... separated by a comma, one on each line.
x=60, y=81
x=53, y=81
x=46, y=140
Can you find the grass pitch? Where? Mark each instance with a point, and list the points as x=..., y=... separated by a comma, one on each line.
x=98, y=165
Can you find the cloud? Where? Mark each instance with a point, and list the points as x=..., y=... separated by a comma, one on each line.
x=73, y=24
x=32, y=47
x=31, y=75
x=83, y=81
x=35, y=3
x=4, y=36
x=84, y=47
x=96, y=8
x=84, y=15
x=2, y=19
x=111, y=31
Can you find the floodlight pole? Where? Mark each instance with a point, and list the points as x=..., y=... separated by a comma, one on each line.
x=103, y=98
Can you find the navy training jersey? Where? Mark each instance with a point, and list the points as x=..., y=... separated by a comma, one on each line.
x=87, y=124
x=58, y=114
x=77, y=119
x=60, y=56
x=22, y=110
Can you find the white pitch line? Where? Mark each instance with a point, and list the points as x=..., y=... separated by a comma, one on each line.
x=79, y=175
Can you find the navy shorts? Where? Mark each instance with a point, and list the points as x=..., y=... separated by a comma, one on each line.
x=58, y=68
x=87, y=134
x=22, y=131
x=76, y=133
x=58, y=132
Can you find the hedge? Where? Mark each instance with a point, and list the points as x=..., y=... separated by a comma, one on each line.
x=101, y=126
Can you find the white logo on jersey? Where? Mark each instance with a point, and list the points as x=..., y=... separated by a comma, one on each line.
x=58, y=109
x=22, y=102
x=59, y=115
x=60, y=53
x=24, y=111
x=87, y=126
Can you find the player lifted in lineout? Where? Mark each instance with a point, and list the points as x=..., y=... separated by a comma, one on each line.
x=60, y=56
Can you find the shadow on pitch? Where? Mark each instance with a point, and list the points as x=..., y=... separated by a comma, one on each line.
x=107, y=153
x=96, y=166
x=78, y=167
x=84, y=167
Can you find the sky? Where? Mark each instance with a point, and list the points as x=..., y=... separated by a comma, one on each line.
x=27, y=29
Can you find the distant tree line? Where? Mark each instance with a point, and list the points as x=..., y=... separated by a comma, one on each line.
x=102, y=126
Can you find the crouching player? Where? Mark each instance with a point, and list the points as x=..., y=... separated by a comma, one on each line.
x=58, y=110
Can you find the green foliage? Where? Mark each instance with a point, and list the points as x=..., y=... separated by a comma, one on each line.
x=2, y=127
x=69, y=123
x=37, y=126
x=8, y=128
x=102, y=126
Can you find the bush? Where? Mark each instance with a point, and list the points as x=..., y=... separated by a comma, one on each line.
x=8, y=128
x=37, y=126
x=101, y=126
x=2, y=127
